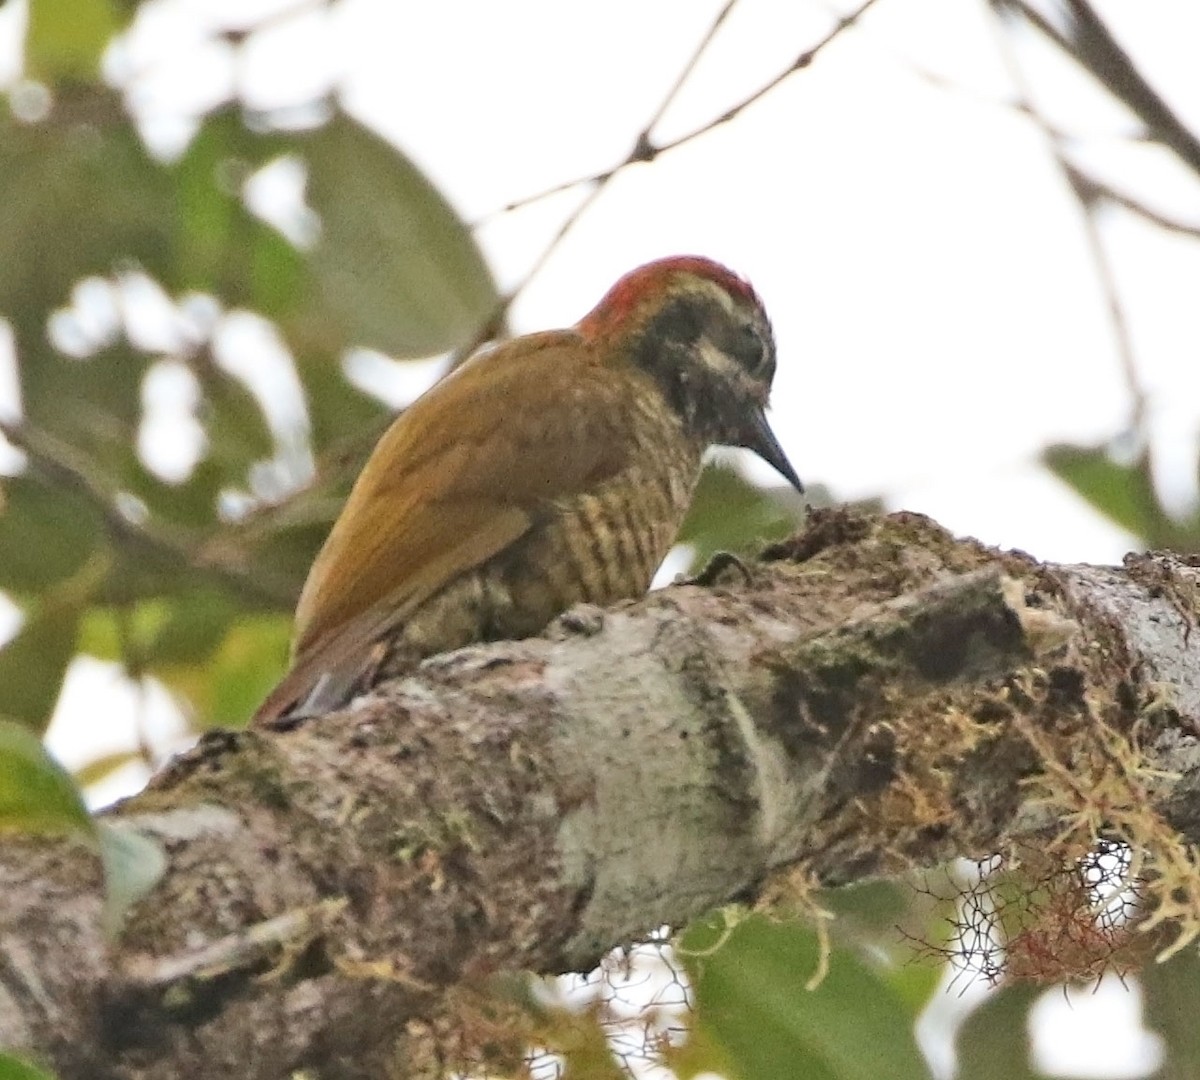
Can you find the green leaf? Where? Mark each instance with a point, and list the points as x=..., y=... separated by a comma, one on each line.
x=728, y=513
x=213, y=654
x=191, y=504
x=15, y=1068
x=33, y=664
x=226, y=250
x=235, y=423
x=337, y=409
x=82, y=198
x=580, y=1039
x=874, y=917
x=37, y=795
x=699, y=1055
x=226, y=688
x=1124, y=494
x=1170, y=1010
x=394, y=263
x=914, y=981
x=192, y=631
x=100, y=635
x=878, y=905
x=220, y=246
x=46, y=534
x=993, y=1043
x=66, y=37
x=99, y=768
x=123, y=634
x=133, y=865
x=751, y=1002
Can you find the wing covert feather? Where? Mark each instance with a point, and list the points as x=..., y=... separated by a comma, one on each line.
x=460, y=475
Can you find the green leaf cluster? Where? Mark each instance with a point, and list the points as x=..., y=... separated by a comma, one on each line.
x=102, y=554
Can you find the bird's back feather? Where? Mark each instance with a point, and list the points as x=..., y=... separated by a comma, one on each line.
x=453, y=481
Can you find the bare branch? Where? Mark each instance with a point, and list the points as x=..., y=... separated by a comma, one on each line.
x=1098, y=190
x=799, y=64
x=1089, y=42
x=1085, y=193
x=879, y=697
x=646, y=150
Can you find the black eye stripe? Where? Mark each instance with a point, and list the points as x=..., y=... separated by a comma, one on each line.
x=680, y=321
x=667, y=344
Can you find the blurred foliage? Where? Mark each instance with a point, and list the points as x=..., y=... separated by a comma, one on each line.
x=36, y=794
x=1171, y=991
x=1124, y=492
x=65, y=38
x=38, y=797
x=102, y=554
x=15, y=1068
x=993, y=1043
x=756, y=1019
x=728, y=513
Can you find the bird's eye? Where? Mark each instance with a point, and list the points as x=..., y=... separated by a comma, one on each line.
x=745, y=345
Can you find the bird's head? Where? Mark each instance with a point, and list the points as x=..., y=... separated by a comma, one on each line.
x=701, y=332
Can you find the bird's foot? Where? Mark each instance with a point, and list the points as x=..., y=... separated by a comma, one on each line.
x=716, y=571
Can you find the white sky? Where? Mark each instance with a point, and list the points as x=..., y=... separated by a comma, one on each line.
x=937, y=310
x=936, y=307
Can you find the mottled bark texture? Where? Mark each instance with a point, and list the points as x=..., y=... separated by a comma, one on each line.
x=874, y=695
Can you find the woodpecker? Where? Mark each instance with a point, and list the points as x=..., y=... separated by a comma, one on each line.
x=553, y=469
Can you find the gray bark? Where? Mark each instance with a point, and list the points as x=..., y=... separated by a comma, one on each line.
x=867, y=699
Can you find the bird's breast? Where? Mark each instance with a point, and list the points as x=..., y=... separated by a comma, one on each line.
x=596, y=546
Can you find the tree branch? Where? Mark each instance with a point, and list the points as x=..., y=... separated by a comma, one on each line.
x=1088, y=41
x=878, y=696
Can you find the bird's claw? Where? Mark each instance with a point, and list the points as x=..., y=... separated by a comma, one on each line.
x=713, y=571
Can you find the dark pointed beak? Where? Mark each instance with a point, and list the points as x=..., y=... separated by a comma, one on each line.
x=761, y=439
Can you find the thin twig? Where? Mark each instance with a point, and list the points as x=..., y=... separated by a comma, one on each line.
x=802, y=61
x=939, y=81
x=594, y=179
x=1090, y=44
x=645, y=150
x=686, y=72
x=1085, y=194
x=1110, y=194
